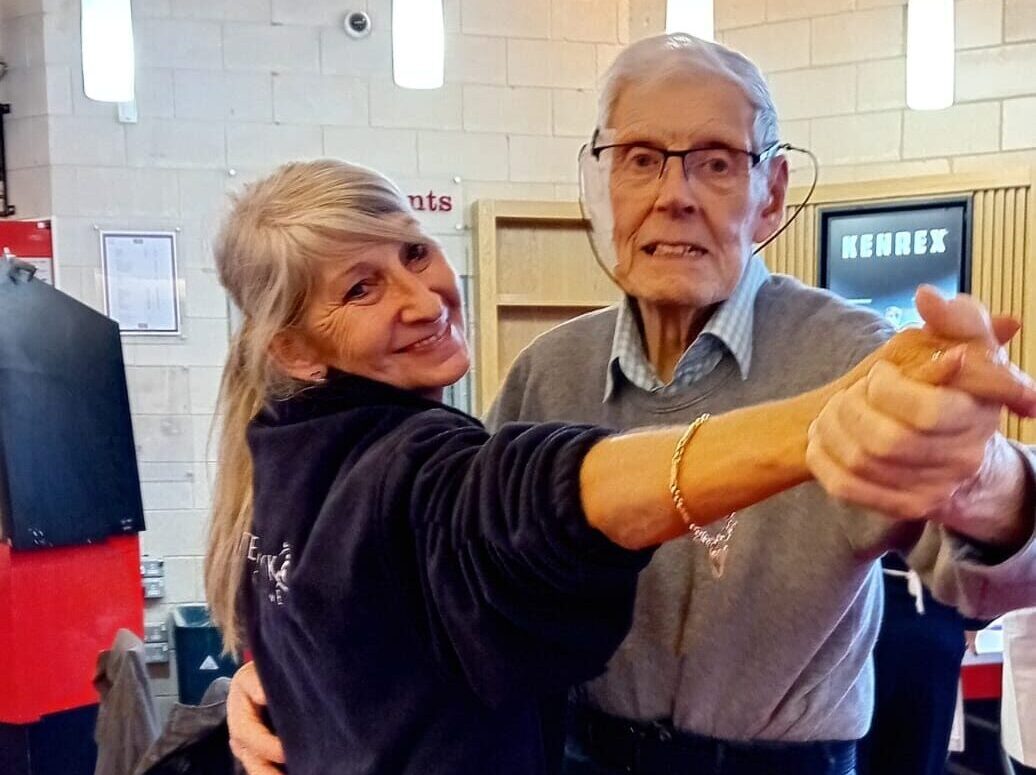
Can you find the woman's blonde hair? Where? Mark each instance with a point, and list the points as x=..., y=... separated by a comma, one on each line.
x=278, y=229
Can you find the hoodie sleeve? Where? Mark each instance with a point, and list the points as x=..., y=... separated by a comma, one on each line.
x=518, y=593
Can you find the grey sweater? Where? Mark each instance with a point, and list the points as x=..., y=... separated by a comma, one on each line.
x=780, y=647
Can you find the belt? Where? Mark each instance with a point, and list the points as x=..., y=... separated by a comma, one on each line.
x=658, y=748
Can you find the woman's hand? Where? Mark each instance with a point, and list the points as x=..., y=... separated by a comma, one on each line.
x=254, y=745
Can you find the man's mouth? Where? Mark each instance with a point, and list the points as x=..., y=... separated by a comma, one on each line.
x=674, y=249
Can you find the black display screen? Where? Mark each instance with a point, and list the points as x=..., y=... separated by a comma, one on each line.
x=876, y=255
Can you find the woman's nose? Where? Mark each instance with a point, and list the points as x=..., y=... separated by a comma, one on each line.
x=418, y=302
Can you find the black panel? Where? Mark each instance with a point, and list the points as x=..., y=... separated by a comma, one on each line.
x=877, y=254
x=68, y=466
x=61, y=744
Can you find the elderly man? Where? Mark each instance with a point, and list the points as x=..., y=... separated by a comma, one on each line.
x=766, y=667
x=750, y=650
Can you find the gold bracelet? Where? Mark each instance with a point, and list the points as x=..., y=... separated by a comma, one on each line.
x=717, y=544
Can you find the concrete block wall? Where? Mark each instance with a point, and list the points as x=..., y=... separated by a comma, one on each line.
x=838, y=68
x=227, y=89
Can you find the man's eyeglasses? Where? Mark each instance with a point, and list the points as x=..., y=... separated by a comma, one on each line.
x=717, y=166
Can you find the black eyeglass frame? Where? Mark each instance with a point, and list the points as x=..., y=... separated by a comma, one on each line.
x=756, y=158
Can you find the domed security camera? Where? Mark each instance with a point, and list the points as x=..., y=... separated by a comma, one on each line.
x=357, y=24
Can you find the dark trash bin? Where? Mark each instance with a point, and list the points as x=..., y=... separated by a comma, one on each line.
x=199, y=652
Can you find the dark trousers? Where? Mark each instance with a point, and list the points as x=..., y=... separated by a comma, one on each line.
x=604, y=745
x=916, y=670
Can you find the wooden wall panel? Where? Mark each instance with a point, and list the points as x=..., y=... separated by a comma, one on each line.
x=1002, y=273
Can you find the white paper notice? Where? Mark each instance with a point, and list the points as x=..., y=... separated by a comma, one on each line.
x=140, y=281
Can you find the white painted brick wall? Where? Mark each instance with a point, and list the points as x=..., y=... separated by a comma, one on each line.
x=81, y=140
x=151, y=9
x=574, y=112
x=165, y=495
x=177, y=532
x=606, y=53
x=205, y=296
x=778, y=10
x=158, y=389
x=183, y=579
x=29, y=136
x=320, y=99
x=595, y=21
x=825, y=91
x=506, y=109
x=114, y=191
x=342, y=55
x=163, y=438
x=961, y=129
x=23, y=41
x=202, y=192
x=877, y=138
x=862, y=5
x=484, y=157
x=392, y=106
x=199, y=94
x=544, y=159
x=26, y=89
x=176, y=143
x=551, y=63
x=155, y=93
x=986, y=162
x=1020, y=20
x=265, y=47
x=506, y=19
x=178, y=43
x=266, y=145
x=739, y=13
x=392, y=150
x=989, y=73
x=476, y=59
x=774, y=47
x=979, y=23
x=204, y=388
x=1020, y=123
x=881, y=84
x=852, y=37
x=221, y=10
x=320, y=13
x=853, y=173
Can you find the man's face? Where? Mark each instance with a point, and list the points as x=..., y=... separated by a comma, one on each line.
x=679, y=239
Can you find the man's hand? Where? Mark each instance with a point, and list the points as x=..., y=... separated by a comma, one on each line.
x=918, y=440
x=255, y=746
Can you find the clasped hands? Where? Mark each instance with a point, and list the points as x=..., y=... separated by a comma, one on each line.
x=912, y=431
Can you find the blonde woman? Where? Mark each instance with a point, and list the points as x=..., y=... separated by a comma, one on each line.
x=409, y=584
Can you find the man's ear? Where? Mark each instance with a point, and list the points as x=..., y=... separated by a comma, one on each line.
x=295, y=356
x=772, y=214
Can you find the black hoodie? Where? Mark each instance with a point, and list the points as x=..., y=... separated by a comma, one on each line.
x=415, y=584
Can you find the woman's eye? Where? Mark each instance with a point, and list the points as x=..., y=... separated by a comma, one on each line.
x=415, y=252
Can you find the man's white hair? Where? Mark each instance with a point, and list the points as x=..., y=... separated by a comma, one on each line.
x=675, y=54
